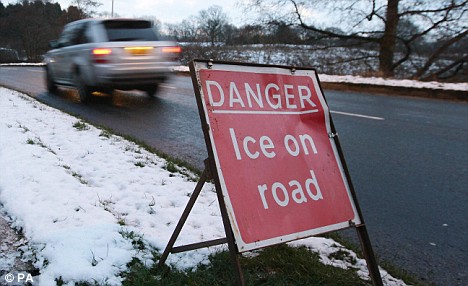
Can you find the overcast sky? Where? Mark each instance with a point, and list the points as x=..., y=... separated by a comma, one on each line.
x=167, y=11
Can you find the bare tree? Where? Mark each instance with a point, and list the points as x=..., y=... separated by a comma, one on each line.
x=86, y=7
x=443, y=23
x=187, y=30
x=212, y=22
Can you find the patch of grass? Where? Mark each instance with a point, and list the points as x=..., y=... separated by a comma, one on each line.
x=342, y=255
x=25, y=129
x=135, y=238
x=389, y=267
x=140, y=164
x=106, y=204
x=171, y=167
x=60, y=282
x=402, y=274
x=38, y=142
x=81, y=126
x=106, y=134
x=79, y=177
x=278, y=265
x=284, y=265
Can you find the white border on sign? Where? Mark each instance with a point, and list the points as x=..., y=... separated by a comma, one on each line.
x=243, y=246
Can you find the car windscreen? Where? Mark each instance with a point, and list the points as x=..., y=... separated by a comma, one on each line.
x=129, y=31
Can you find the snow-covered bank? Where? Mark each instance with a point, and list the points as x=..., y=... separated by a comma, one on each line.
x=380, y=81
x=394, y=82
x=81, y=197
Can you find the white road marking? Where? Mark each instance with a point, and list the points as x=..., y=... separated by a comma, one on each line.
x=358, y=115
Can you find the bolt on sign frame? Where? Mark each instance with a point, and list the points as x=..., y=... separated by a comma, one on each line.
x=275, y=159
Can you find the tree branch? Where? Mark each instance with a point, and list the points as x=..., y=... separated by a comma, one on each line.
x=448, y=8
x=354, y=36
x=438, y=52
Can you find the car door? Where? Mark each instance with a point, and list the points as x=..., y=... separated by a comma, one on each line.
x=73, y=51
x=59, y=55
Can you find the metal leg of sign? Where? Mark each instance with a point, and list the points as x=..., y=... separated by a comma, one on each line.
x=369, y=255
x=230, y=237
x=361, y=229
x=206, y=175
x=183, y=218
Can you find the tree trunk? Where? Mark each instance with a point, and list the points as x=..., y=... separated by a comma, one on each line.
x=388, y=41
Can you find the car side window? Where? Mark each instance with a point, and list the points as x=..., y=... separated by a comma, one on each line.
x=74, y=35
x=80, y=35
x=66, y=37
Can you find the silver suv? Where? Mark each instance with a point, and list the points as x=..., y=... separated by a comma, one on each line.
x=107, y=54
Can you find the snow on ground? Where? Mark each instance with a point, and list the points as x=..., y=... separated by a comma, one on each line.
x=393, y=82
x=81, y=196
x=379, y=81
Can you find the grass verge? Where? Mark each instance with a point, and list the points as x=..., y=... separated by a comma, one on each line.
x=278, y=265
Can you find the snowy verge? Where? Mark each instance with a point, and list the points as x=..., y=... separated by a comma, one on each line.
x=83, y=197
x=379, y=81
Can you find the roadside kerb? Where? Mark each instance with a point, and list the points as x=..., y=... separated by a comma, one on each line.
x=450, y=94
x=423, y=92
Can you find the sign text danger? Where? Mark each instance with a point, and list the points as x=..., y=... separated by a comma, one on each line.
x=272, y=96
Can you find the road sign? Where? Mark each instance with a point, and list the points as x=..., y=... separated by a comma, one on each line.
x=268, y=131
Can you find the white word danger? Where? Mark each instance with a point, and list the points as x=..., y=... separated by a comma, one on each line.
x=271, y=96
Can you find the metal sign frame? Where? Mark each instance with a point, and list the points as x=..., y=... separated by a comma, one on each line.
x=213, y=171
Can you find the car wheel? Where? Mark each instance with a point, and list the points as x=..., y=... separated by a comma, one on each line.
x=50, y=83
x=152, y=90
x=83, y=90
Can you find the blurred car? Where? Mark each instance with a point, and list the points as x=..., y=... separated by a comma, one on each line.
x=107, y=54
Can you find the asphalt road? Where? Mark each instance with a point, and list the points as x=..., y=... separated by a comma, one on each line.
x=407, y=157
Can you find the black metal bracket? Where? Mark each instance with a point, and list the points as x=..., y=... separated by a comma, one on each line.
x=229, y=239
x=188, y=208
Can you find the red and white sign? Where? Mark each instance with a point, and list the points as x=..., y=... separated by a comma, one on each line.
x=278, y=166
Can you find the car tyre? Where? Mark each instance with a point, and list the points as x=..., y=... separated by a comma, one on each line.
x=50, y=83
x=84, y=91
x=152, y=90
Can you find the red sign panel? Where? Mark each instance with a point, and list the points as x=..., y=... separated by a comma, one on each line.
x=277, y=163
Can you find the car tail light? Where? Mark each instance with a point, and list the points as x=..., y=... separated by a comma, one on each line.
x=175, y=50
x=172, y=52
x=101, y=55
